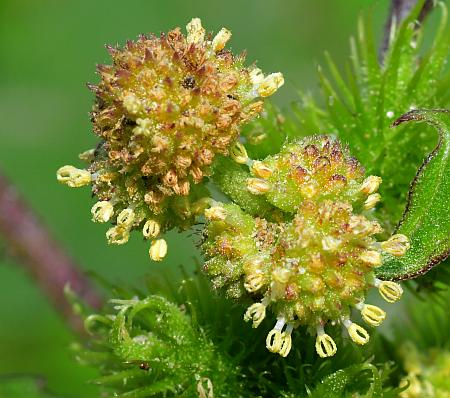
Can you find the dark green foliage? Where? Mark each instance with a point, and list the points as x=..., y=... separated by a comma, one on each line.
x=20, y=386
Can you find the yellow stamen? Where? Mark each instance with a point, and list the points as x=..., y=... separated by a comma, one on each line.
x=325, y=345
x=357, y=333
x=238, y=153
x=286, y=342
x=102, y=211
x=118, y=235
x=371, y=201
x=397, y=245
x=254, y=282
x=260, y=170
x=372, y=314
x=73, y=177
x=270, y=84
x=256, y=312
x=257, y=186
x=158, y=250
x=87, y=156
x=371, y=184
x=196, y=33
x=371, y=257
x=390, y=291
x=151, y=229
x=274, y=339
x=221, y=39
x=256, y=76
x=216, y=213
x=126, y=218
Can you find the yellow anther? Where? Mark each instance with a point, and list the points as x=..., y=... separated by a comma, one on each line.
x=270, y=84
x=325, y=345
x=371, y=257
x=73, y=177
x=216, y=213
x=102, y=211
x=357, y=333
x=274, y=341
x=221, y=39
x=286, y=344
x=238, y=153
x=390, y=291
x=256, y=312
x=256, y=76
x=132, y=103
x=118, y=235
x=373, y=315
x=158, y=250
x=371, y=184
x=257, y=186
x=372, y=200
x=151, y=229
x=397, y=245
x=254, y=282
x=126, y=218
x=330, y=244
x=87, y=156
x=360, y=225
x=259, y=169
x=195, y=30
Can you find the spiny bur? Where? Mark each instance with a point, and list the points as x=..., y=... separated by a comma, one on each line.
x=164, y=108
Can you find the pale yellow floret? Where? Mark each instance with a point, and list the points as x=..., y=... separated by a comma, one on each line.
x=196, y=32
x=216, y=213
x=158, y=250
x=325, y=345
x=371, y=184
x=372, y=201
x=102, y=211
x=270, y=84
x=371, y=257
x=256, y=312
x=118, y=235
x=143, y=127
x=221, y=39
x=126, y=218
x=330, y=244
x=254, y=282
x=390, y=291
x=151, y=229
x=256, y=76
x=73, y=177
x=357, y=333
x=372, y=314
x=257, y=186
x=238, y=153
x=132, y=103
x=260, y=170
x=397, y=245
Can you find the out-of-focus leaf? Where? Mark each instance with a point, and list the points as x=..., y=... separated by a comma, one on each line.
x=426, y=219
x=16, y=386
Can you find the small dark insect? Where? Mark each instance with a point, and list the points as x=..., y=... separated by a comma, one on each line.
x=188, y=82
x=232, y=96
x=144, y=366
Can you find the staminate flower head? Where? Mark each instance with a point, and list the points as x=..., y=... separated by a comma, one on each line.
x=164, y=108
x=314, y=266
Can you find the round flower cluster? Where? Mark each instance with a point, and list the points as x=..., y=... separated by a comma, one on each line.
x=164, y=108
x=318, y=263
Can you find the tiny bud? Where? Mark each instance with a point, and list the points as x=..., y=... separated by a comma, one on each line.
x=132, y=104
x=397, y=245
x=373, y=315
x=151, y=229
x=371, y=184
x=257, y=186
x=372, y=200
x=221, y=39
x=195, y=30
x=238, y=153
x=102, y=211
x=308, y=190
x=73, y=177
x=216, y=213
x=390, y=291
x=270, y=84
x=371, y=257
x=259, y=169
x=158, y=250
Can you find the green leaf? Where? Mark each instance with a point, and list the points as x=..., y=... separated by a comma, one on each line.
x=17, y=386
x=426, y=218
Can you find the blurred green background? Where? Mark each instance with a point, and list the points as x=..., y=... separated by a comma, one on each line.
x=48, y=51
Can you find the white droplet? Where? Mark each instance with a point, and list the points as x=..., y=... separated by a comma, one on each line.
x=390, y=114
